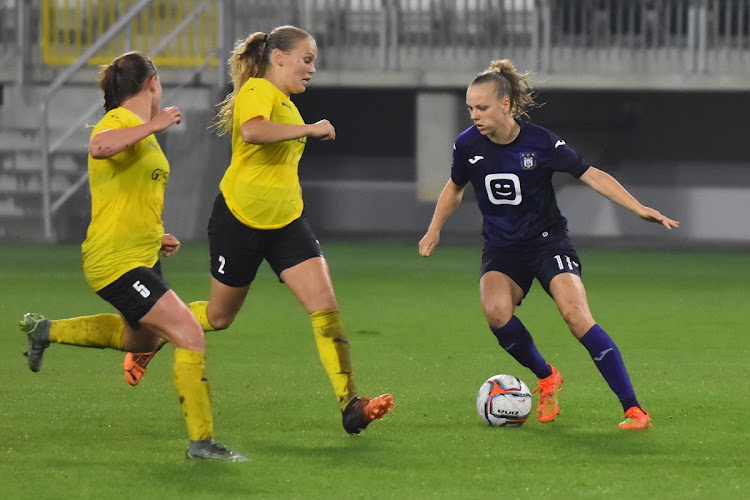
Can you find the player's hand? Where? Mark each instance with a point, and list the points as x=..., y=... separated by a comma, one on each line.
x=651, y=215
x=169, y=245
x=428, y=243
x=323, y=130
x=165, y=118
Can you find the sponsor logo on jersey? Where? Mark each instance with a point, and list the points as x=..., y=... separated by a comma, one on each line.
x=475, y=159
x=159, y=174
x=559, y=143
x=503, y=189
x=528, y=160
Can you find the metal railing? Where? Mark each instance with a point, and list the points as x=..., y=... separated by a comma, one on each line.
x=70, y=27
x=587, y=38
x=667, y=38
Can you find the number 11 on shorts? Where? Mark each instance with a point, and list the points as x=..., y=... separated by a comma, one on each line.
x=562, y=265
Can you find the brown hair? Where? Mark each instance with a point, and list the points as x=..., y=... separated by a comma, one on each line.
x=124, y=78
x=511, y=84
x=251, y=59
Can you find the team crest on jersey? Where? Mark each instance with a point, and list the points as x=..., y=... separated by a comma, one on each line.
x=528, y=160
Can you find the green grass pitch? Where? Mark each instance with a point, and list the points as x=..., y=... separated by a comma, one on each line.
x=77, y=430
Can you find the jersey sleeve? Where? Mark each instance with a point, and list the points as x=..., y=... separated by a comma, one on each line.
x=567, y=159
x=113, y=120
x=459, y=169
x=254, y=100
x=110, y=121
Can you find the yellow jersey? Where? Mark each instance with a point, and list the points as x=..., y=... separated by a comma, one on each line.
x=127, y=198
x=261, y=185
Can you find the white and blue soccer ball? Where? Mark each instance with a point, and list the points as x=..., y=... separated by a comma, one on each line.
x=504, y=401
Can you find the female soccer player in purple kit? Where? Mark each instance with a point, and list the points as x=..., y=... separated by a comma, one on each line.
x=510, y=163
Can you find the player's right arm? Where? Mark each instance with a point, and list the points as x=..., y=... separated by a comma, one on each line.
x=261, y=131
x=108, y=143
x=449, y=199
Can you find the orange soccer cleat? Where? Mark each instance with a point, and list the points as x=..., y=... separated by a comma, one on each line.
x=635, y=418
x=135, y=365
x=361, y=411
x=548, y=387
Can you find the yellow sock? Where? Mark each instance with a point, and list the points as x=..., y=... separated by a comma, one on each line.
x=100, y=331
x=189, y=372
x=199, y=311
x=333, y=348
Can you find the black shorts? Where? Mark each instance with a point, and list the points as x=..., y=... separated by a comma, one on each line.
x=543, y=259
x=238, y=250
x=135, y=292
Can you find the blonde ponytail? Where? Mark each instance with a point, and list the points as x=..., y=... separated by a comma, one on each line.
x=511, y=84
x=250, y=59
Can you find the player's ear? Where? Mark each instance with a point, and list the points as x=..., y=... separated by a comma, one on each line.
x=277, y=56
x=151, y=83
x=505, y=104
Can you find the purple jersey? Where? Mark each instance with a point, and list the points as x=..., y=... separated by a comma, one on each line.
x=513, y=182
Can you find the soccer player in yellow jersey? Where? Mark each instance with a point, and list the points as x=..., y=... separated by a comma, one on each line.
x=128, y=173
x=258, y=214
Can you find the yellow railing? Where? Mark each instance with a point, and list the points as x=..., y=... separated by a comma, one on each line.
x=70, y=26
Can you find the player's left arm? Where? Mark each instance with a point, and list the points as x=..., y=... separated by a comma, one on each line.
x=609, y=187
x=169, y=245
x=258, y=130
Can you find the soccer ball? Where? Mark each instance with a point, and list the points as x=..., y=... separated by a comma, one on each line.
x=504, y=401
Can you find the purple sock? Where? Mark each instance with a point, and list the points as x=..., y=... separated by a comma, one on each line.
x=608, y=360
x=517, y=341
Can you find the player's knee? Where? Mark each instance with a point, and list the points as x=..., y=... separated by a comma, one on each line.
x=188, y=335
x=220, y=315
x=576, y=318
x=221, y=321
x=497, y=315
